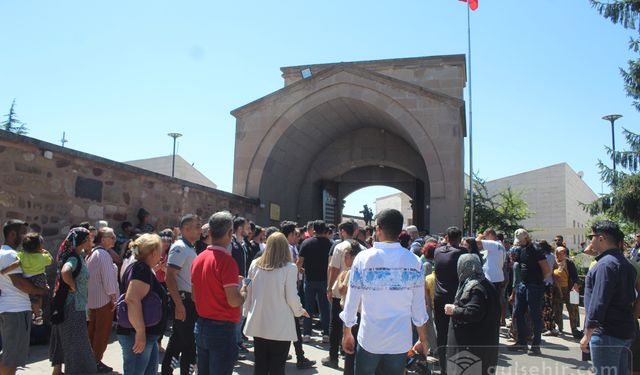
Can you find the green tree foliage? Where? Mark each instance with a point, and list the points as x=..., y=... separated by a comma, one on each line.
x=623, y=203
x=503, y=210
x=12, y=123
x=627, y=14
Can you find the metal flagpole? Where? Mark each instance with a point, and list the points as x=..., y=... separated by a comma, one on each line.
x=471, y=179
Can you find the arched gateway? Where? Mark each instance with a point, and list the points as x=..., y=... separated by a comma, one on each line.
x=399, y=123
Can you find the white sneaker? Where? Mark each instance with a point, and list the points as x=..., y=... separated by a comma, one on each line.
x=325, y=339
x=306, y=338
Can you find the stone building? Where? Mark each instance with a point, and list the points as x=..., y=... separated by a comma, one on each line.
x=401, y=202
x=554, y=194
x=52, y=188
x=336, y=128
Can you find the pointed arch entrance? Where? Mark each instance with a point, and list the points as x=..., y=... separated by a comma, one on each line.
x=351, y=126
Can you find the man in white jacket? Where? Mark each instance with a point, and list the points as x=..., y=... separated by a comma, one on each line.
x=387, y=283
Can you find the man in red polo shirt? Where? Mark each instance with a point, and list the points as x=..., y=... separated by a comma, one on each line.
x=218, y=298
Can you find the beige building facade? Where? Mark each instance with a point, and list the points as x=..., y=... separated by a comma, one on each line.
x=336, y=128
x=554, y=194
x=399, y=201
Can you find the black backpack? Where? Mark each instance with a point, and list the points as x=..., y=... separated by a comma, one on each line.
x=59, y=299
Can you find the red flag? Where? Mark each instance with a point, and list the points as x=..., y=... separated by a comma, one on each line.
x=473, y=4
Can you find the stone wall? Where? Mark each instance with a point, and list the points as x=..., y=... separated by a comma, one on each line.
x=52, y=187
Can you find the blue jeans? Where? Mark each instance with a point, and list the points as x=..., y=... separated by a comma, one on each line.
x=610, y=355
x=239, y=330
x=316, y=290
x=390, y=364
x=529, y=297
x=216, y=346
x=145, y=363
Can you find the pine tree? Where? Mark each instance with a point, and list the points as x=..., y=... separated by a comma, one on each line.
x=627, y=14
x=623, y=203
x=12, y=123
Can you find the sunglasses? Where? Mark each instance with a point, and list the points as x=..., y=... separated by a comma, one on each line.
x=590, y=236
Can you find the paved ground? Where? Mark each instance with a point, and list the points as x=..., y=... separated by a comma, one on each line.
x=560, y=355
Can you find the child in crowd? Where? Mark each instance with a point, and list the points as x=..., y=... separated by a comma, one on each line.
x=343, y=279
x=33, y=259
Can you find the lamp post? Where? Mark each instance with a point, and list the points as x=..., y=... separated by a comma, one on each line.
x=173, y=162
x=612, y=119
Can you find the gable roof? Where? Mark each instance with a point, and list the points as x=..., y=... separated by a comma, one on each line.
x=355, y=70
x=183, y=169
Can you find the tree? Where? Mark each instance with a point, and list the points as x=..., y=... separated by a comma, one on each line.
x=503, y=210
x=12, y=123
x=627, y=14
x=623, y=202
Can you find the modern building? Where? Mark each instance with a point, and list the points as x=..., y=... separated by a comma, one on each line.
x=401, y=202
x=554, y=195
x=183, y=170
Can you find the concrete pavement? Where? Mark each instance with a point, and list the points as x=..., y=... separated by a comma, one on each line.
x=560, y=355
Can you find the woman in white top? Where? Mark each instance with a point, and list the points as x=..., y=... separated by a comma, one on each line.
x=272, y=302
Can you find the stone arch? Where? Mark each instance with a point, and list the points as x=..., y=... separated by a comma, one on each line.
x=404, y=122
x=284, y=153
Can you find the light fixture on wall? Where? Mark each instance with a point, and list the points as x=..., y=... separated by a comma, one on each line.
x=47, y=154
x=306, y=73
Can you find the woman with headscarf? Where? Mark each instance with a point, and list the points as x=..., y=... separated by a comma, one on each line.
x=70, y=343
x=475, y=321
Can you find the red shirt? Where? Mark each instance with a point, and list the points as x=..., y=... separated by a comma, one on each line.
x=212, y=271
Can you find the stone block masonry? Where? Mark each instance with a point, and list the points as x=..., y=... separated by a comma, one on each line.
x=52, y=188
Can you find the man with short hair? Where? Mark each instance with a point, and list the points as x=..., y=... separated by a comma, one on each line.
x=387, y=284
x=290, y=230
x=15, y=306
x=336, y=266
x=445, y=261
x=494, y=257
x=218, y=299
x=314, y=258
x=181, y=350
x=534, y=268
x=416, y=241
x=240, y=254
x=608, y=300
x=559, y=240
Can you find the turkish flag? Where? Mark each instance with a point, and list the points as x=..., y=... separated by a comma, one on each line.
x=473, y=4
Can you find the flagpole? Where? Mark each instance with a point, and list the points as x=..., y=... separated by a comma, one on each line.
x=471, y=179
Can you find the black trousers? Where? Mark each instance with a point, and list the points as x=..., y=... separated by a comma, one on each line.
x=270, y=356
x=181, y=349
x=442, y=327
x=350, y=359
x=298, y=344
x=335, y=329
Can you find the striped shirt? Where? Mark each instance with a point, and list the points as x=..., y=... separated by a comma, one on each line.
x=103, y=280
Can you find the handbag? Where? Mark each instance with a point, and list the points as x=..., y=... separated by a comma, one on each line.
x=151, y=306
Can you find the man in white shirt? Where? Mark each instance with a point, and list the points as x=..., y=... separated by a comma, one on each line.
x=15, y=306
x=494, y=254
x=336, y=266
x=181, y=349
x=387, y=283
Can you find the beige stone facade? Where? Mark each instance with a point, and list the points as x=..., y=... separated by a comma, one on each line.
x=553, y=194
x=53, y=187
x=399, y=123
x=399, y=201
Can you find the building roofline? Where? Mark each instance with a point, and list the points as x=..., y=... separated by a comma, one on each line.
x=46, y=146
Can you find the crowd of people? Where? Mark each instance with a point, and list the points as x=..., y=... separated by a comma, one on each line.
x=376, y=295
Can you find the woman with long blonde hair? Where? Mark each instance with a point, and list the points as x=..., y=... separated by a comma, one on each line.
x=272, y=303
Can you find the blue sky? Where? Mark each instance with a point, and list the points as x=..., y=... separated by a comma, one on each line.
x=118, y=76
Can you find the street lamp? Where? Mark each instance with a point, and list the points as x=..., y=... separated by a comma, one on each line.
x=173, y=162
x=612, y=119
